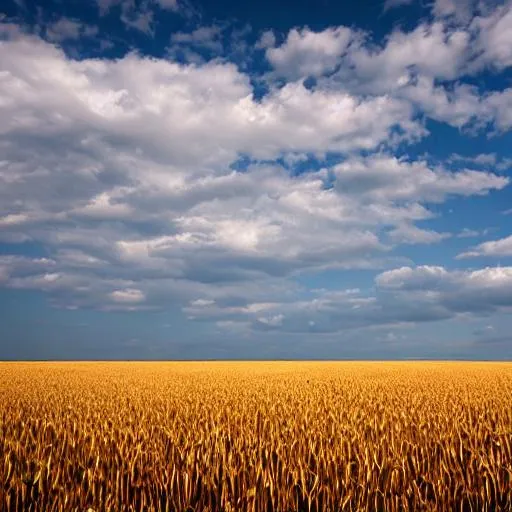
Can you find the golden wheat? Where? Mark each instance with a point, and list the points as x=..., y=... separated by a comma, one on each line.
x=256, y=436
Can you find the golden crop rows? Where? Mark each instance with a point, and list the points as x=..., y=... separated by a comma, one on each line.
x=256, y=436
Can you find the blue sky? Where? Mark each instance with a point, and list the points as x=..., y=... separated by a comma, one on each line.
x=186, y=180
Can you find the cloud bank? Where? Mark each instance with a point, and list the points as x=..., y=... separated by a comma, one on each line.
x=149, y=182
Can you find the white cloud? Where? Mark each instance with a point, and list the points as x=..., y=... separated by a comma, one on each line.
x=458, y=107
x=429, y=278
x=494, y=43
x=409, y=234
x=265, y=220
x=385, y=178
x=14, y=219
x=129, y=295
x=430, y=50
x=137, y=100
x=138, y=209
x=501, y=105
x=407, y=277
x=424, y=66
x=306, y=53
x=493, y=248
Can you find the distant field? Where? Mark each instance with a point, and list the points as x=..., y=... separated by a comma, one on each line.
x=256, y=436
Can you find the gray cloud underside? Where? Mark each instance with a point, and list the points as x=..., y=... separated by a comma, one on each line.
x=401, y=296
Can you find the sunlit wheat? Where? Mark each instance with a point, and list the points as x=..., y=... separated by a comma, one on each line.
x=256, y=436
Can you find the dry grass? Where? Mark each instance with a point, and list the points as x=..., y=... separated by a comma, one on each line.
x=256, y=436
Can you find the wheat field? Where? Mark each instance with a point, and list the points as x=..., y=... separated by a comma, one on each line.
x=256, y=436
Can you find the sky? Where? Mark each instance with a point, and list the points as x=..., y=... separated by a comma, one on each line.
x=255, y=180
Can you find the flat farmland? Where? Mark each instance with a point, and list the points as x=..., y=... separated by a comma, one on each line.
x=256, y=436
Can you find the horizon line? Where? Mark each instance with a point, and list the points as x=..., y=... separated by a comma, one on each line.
x=240, y=360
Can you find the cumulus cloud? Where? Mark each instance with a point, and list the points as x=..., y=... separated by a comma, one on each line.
x=493, y=248
x=494, y=40
x=429, y=50
x=407, y=276
x=425, y=65
x=458, y=291
x=501, y=106
x=308, y=53
x=149, y=182
x=387, y=178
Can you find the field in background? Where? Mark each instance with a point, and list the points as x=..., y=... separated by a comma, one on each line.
x=256, y=436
